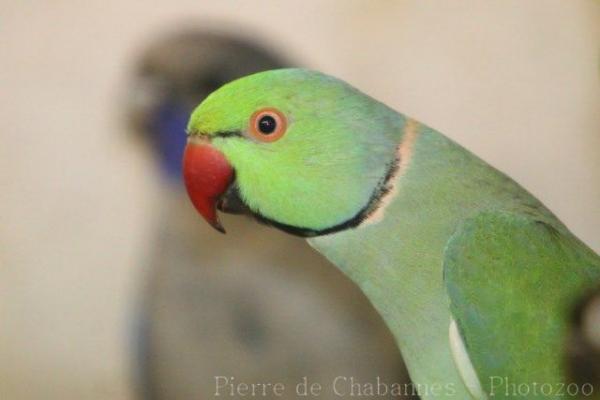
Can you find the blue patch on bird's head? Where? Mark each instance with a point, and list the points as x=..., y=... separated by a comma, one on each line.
x=169, y=137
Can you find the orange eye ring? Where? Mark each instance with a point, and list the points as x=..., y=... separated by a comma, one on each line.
x=268, y=125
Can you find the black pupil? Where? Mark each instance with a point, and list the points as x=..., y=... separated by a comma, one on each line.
x=267, y=124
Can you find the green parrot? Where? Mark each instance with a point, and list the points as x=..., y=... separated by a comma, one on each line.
x=475, y=278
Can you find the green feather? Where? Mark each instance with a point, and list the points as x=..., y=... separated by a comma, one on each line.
x=511, y=280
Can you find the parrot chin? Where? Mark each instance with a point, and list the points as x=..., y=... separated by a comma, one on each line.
x=230, y=202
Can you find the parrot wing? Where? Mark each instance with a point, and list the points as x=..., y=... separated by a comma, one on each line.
x=511, y=280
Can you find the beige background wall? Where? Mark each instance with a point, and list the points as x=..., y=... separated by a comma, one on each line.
x=515, y=81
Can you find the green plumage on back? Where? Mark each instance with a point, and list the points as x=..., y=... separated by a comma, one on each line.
x=529, y=271
x=474, y=276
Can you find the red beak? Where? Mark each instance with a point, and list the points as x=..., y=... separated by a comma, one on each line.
x=206, y=174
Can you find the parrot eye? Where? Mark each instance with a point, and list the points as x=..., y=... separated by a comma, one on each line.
x=268, y=125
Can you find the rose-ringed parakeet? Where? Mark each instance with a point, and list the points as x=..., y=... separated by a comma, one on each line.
x=201, y=315
x=474, y=276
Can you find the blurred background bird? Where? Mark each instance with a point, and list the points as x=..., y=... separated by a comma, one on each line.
x=264, y=314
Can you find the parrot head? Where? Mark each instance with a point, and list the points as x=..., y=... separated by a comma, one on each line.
x=297, y=149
